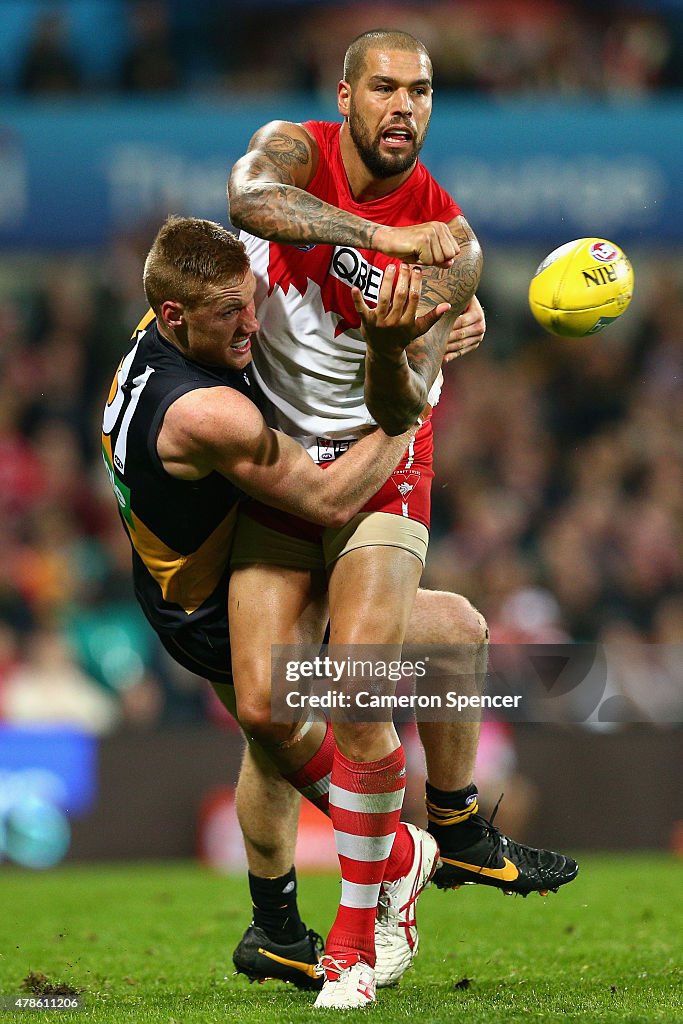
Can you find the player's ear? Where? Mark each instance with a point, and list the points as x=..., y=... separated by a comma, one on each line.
x=172, y=314
x=343, y=98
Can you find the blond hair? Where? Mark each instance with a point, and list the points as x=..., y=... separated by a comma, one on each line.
x=189, y=257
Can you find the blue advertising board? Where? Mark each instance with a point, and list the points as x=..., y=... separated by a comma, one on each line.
x=48, y=775
x=57, y=763
x=73, y=174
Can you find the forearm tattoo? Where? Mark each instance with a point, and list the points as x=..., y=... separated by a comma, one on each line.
x=455, y=285
x=285, y=213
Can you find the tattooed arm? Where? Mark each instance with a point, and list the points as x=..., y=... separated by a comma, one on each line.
x=267, y=192
x=267, y=196
x=398, y=378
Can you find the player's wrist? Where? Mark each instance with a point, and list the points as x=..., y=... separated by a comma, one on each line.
x=388, y=356
x=380, y=238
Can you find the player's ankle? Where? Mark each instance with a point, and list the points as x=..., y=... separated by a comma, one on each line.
x=452, y=816
x=275, y=909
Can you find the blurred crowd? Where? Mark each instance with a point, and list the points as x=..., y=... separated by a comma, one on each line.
x=558, y=499
x=622, y=49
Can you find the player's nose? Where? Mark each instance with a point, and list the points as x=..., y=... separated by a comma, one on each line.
x=403, y=103
x=248, y=319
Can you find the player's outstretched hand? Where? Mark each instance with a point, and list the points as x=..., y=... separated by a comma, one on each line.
x=467, y=332
x=394, y=323
x=431, y=244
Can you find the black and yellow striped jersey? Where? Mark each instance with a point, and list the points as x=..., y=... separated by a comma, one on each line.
x=180, y=531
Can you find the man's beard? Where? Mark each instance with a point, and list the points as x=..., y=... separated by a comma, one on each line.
x=379, y=164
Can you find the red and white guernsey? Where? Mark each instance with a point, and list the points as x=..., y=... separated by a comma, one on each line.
x=309, y=354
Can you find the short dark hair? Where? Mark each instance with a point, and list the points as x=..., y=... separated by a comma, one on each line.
x=188, y=256
x=378, y=38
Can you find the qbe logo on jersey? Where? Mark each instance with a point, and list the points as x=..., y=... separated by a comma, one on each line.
x=603, y=252
x=350, y=267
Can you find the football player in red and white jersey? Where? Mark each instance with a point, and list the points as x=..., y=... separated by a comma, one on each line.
x=328, y=213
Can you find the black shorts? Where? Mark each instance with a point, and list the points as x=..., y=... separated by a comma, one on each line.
x=203, y=650
x=206, y=651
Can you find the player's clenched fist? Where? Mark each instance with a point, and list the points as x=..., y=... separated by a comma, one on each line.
x=394, y=323
x=431, y=244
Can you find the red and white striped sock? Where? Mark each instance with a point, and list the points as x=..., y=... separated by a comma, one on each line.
x=365, y=808
x=313, y=779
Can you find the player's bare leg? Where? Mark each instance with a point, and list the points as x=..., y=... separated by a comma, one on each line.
x=274, y=605
x=268, y=812
x=371, y=591
x=276, y=943
x=269, y=838
x=443, y=619
x=267, y=805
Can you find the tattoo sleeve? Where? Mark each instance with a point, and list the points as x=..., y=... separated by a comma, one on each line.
x=396, y=391
x=264, y=199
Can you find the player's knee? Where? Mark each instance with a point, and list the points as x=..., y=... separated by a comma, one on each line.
x=356, y=740
x=467, y=624
x=252, y=701
x=255, y=718
x=478, y=625
x=442, y=617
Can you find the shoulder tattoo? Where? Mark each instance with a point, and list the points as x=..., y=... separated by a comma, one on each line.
x=282, y=152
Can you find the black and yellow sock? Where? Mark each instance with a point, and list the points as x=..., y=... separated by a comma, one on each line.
x=451, y=815
x=275, y=907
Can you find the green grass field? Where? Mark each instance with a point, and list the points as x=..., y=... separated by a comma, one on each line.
x=152, y=943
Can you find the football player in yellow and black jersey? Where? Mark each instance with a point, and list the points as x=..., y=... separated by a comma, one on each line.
x=183, y=442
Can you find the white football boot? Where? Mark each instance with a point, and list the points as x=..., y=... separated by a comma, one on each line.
x=396, y=938
x=349, y=987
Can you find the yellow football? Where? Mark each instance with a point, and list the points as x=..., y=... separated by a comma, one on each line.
x=581, y=287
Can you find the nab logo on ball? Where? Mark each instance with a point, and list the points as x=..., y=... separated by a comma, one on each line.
x=581, y=287
x=604, y=251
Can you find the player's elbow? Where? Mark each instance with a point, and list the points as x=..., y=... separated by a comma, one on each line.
x=473, y=258
x=236, y=207
x=328, y=509
x=335, y=506
x=336, y=516
x=478, y=262
x=240, y=200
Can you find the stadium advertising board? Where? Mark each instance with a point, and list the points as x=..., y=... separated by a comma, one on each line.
x=74, y=174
